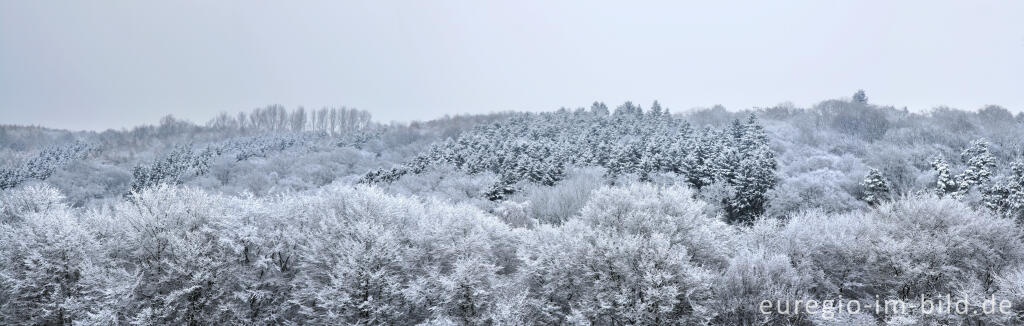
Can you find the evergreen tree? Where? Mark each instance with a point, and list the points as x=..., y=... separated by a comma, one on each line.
x=736, y=132
x=754, y=136
x=172, y=168
x=49, y=160
x=628, y=109
x=599, y=109
x=9, y=178
x=502, y=189
x=1007, y=197
x=677, y=148
x=748, y=165
x=536, y=148
x=655, y=155
x=979, y=162
x=876, y=188
x=700, y=158
x=860, y=97
x=623, y=161
x=656, y=110
x=944, y=182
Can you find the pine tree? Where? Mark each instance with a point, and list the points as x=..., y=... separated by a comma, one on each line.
x=1007, y=197
x=10, y=177
x=860, y=97
x=737, y=131
x=628, y=109
x=876, y=188
x=754, y=136
x=624, y=160
x=49, y=160
x=677, y=148
x=699, y=162
x=656, y=110
x=172, y=168
x=599, y=109
x=537, y=147
x=979, y=162
x=748, y=165
x=944, y=182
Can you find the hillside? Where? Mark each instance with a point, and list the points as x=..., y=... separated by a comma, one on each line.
x=596, y=215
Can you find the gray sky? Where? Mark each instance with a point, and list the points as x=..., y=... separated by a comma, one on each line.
x=113, y=64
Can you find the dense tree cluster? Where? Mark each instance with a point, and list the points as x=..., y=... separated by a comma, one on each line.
x=259, y=146
x=44, y=164
x=596, y=216
x=172, y=167
x=635, y=254
x=537, y=148
x=276, y=118
x=183, y=162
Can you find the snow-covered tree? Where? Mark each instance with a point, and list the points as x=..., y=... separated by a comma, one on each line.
x=876, y=188
x=627, y=110
x=599, y=109
x=1007, y=196
x=45, y=163
x=945, y=184
x=748, y=166
x=637, y=255
x=979, y=165
x=656, y=110
x=9, y=178
x=271, y=218
x=172, y=168
x=860, y=97
x=698, y=158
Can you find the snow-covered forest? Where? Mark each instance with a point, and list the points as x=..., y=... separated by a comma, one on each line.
x=630, y=214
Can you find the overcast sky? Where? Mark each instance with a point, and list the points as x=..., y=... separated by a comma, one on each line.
x=113, y=64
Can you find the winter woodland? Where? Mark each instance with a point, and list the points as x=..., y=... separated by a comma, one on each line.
x=601, y=215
